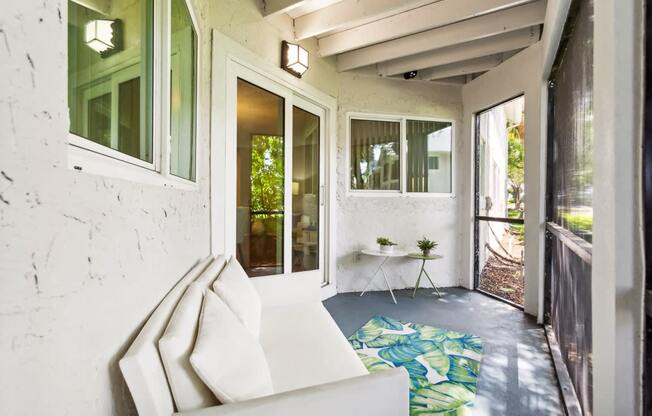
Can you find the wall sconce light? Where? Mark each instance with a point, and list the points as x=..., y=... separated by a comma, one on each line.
x=295, y=188
x=103, y=36
x=294, y=59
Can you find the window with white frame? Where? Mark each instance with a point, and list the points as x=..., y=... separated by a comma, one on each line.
x=400, y=154
x=132, y=95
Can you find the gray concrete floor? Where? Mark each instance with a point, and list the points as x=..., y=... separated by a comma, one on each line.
x=516, y=375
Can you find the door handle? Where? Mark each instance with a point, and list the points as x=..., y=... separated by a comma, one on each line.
x=322, y=195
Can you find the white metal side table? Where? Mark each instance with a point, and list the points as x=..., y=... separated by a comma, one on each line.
x=420, y=256
x=387, y=256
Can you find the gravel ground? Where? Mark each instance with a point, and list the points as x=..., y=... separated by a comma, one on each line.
x=503, y=280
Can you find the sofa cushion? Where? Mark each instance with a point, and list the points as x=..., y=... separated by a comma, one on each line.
x=304, y=347
x=176, y=344
x=141, y=365
x=286, y=290
x=236, y=290
x=227, y=357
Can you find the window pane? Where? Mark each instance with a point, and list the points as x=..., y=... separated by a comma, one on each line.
x=99, y=119
x=375, y=155
x=129, y=117
x=260, y=180
x=429, y=156
x=109, y=75
x=182, y=92
x=305, y=190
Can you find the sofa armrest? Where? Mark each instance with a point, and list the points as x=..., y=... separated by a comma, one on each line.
x=280, y=290
x=384, y=393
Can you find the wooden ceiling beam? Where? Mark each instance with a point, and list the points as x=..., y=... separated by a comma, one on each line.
x=274, y=7
x=429, y=16
x=469, y=30
x=350, y=13
x=488, y=46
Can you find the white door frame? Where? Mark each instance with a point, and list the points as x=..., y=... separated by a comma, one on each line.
x=227, y=68
x=520, y=75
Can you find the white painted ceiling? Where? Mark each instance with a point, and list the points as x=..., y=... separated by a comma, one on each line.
x=305, y=7
x=444, y=40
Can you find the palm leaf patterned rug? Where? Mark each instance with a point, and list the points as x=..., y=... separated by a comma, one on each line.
x=443, y=365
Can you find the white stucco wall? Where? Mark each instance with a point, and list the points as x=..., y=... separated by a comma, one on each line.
x=242, y=22
x=84, y=258
x=361, y=219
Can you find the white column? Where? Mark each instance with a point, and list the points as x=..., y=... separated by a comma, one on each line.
x=617, y=276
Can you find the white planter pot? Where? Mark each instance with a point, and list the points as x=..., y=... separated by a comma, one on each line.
x=386, y=249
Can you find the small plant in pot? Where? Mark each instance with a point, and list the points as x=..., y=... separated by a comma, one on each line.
x=385, y=244
x=426, y=246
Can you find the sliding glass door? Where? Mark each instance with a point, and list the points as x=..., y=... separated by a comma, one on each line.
x=307, y=186
x=260, y=177
x=279, y=180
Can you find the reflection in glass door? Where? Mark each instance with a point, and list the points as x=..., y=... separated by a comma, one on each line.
x=279, y=185
x=260, y=180
x=499, y=201
x=306, y=188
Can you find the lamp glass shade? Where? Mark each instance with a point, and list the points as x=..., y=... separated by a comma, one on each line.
x=99, y=35
x=292, y=53
x=303, y=57
x=295, y=59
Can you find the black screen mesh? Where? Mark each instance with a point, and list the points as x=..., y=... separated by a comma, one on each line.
x=571, y=317
x=572, y=142
x=570, y=189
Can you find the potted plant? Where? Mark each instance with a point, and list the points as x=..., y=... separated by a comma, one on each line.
x=426, y=246
x=385, y=244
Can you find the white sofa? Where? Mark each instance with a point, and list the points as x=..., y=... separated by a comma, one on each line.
x=313, y=368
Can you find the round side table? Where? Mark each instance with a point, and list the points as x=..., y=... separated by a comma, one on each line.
x=420, y=256
x=378, y=253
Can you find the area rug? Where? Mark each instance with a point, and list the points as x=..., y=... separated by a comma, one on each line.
x=443, y=365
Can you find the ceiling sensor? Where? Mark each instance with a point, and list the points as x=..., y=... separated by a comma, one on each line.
x=410, y=74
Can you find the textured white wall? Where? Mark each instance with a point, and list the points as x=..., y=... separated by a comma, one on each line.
x=361, y=219
x=241, y=21
x=84, y=259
